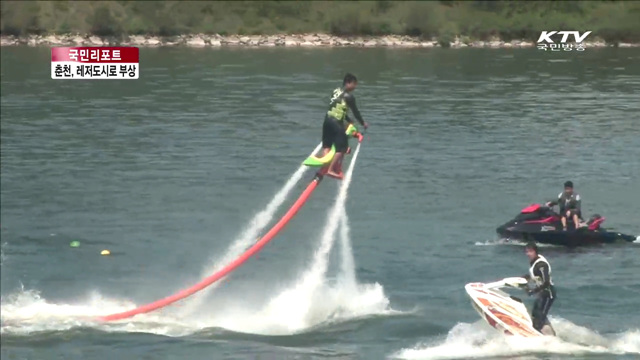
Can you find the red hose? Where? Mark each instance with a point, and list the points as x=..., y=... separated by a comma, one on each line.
x=227, y=269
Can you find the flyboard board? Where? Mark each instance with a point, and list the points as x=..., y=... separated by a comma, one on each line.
x=326, y=159
x=502, y=311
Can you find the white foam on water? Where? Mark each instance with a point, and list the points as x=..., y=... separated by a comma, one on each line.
x=510, y=243
x=247, y=238
x=26, y=312
x=347, y=275
x=478, y=340
x=496, y=242
x=309, y=302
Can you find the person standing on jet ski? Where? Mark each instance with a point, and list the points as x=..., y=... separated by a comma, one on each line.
x=540, y=273
x=569, y=203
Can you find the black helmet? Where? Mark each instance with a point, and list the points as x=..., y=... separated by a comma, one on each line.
x=532, y=245
x=568, y=184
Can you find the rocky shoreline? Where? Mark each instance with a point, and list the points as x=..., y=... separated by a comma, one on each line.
x=302, y=40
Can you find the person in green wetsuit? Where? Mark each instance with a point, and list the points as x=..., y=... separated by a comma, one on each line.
x=335, y=123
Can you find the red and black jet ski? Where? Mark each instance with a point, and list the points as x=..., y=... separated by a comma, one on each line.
x=543, y=225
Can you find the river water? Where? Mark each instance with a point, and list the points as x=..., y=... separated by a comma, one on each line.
x=168, y=171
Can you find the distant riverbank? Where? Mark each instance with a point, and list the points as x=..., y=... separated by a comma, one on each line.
x=302, y=40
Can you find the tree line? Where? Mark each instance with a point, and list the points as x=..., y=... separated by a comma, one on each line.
x=614, y=21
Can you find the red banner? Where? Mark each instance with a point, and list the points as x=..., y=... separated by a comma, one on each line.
x=96, y=54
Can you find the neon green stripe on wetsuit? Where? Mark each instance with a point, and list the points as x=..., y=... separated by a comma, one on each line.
x=341, y=102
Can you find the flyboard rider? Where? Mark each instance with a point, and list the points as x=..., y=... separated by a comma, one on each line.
x=336, y=121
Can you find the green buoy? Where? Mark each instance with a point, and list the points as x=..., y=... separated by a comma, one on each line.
x=74, y=244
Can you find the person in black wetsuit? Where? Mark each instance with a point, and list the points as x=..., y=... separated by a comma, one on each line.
x=540, y=273
x=335, y=123
x=569, y=204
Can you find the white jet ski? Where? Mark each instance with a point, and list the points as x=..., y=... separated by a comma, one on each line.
x=502, y=311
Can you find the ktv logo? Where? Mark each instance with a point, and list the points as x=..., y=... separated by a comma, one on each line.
x=545, y=41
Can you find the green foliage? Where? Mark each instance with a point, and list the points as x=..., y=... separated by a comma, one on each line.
x=615, y=21
x=383, y=6
x=20, y=17
x=346, y=23
x=447, y=34
x=63, y=28
x=103, y=23
x=422, y=18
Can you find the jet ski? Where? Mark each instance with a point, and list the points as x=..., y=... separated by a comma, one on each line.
x=543, y=225
x=502, y=311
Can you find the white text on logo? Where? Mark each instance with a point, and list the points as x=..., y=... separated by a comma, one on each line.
x=546, y=36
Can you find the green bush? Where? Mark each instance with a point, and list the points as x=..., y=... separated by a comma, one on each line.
x=422, y=18
x=344, y=24
x=64, y=28
x=447, y=35
x=21, y=17
x=103, y=23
